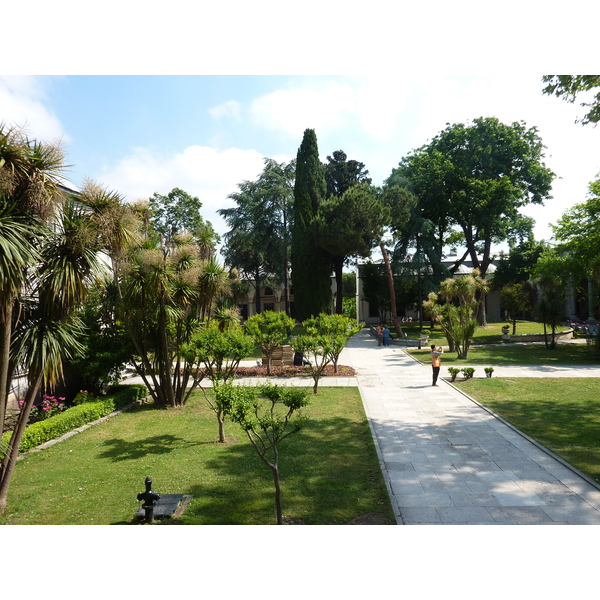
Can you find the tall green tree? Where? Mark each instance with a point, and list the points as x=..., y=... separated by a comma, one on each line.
x=552, y=275
x=578, y=232
x=348, y=226
x=311, y=265
x=518, y=265
x=341, y=174
x=178, y=212
x=47, y=330
x=257, y=245
x=488, y=171
x=30, y=173
x=569, y=87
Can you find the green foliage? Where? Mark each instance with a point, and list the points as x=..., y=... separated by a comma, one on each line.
x=453, y=373
x=476, y=178
x=269, y=330
x=553, y=273
x=338, y=328
x=519, y=265
x=488, y=371
x=257, y=245
x=83, y=396
x=468, y=372
x=569, y=87
x=454, y=307
x=219, y=352
x=268, y=422
x=341, y=174
x=106, y=346
x=64, y=422
x=578, y=234
x=178, y=212
x=318, y=349
x=311, y=266
x=515, y=300
x=349, y=308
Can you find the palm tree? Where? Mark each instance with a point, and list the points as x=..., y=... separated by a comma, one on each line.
x=48, y=330
x=29, y=193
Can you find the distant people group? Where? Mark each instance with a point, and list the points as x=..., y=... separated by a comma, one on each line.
x=383, y=336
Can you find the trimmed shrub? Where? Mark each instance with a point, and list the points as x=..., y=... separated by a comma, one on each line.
x=453, y=373
x=77, y=416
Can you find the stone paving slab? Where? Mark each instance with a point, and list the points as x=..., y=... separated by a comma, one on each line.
x=447, y=460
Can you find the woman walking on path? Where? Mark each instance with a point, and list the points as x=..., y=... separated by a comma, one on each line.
x=379, y=335
x=436, y=362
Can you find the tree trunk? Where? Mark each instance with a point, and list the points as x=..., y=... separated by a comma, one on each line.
x=221, y=419
x=338, y=267
x=390, y=277
x=5, y=331
x=275, y=469
x=257, y=288
x=10, y=460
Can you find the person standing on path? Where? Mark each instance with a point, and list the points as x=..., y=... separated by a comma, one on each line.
x=436, y=362
x=379, y=335
x=386, y=336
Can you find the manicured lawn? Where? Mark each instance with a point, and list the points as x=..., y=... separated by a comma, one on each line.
x=561, y=414
x=512, y=354
x=492, y=334
x=329, y=470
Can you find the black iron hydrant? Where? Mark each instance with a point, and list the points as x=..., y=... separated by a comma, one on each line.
x=149, y=497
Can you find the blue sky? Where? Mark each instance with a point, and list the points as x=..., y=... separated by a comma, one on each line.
x=205, y=134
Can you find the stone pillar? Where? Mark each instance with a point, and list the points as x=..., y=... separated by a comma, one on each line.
x=570, y=307
x=591, y=304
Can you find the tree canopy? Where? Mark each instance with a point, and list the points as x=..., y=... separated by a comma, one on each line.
x=570, y=87
x=311, y=265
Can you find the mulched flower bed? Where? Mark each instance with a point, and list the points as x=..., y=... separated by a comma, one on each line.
x=343, y=371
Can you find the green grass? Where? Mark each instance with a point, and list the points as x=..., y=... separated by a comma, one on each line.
x=329, y=470
x=561, y=414
x=492, y=334
x=510, y=354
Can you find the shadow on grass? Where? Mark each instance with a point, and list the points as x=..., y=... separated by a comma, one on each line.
x=119, y=450
x=329, y=475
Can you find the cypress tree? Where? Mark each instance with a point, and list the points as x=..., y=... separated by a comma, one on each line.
x=311, y=265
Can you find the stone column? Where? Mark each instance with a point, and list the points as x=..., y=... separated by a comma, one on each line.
x=591, y=294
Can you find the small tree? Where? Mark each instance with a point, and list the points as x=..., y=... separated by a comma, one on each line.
x=318, y=349
x=455, y=308
x=514, y=300
x=267, y=421
x=269, y=330
x=338, y=328
x=552, y=271
x=220, y=353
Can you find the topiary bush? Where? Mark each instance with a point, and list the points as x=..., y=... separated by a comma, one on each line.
x=453, y=373
x=468, y=372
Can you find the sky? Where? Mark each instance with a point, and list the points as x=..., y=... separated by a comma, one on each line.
x=141, y=134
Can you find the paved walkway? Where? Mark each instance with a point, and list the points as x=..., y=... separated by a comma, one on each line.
x=447, y=460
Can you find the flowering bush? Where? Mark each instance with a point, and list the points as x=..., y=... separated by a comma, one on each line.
x=50, y=406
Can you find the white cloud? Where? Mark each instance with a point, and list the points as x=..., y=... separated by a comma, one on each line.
x=21, y=105
x=293, y=111
x=231, y=108
x=201, y=171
